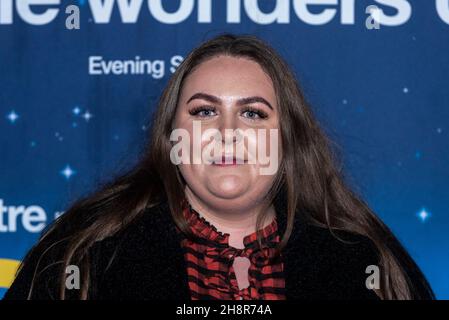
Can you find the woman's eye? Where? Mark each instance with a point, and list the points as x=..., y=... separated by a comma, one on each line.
x=202, y=112
x=254, y=114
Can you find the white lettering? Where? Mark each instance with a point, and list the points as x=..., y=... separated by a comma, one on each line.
x=102, y=10
x=158, y=12
x=442, y=10
x=99, y=66
x=5, y=11
x=129, y=11
x=280, y=14
x=24, y=11
x=404, y=11
x=305, y=15
x=32, y=218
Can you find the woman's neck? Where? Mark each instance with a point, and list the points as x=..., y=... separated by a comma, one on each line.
x=237, y=224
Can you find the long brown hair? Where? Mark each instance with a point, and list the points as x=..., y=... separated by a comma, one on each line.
x=308, y=173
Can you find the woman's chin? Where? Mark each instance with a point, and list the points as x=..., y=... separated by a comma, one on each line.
x=229, y=187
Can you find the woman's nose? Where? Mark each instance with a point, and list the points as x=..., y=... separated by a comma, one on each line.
x=228, y=123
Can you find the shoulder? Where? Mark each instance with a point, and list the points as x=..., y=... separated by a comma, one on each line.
x=150, y=228
x=335, y=264
x=341, y=245
x=149, y=237
x=40, y=273
x=147, y=251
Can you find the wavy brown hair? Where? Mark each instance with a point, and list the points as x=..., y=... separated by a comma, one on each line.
x=309, y=174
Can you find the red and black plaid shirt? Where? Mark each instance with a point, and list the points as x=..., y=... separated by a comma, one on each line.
x=210, y=263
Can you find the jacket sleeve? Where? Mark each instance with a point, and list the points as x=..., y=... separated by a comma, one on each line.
x=365, y=271
x=349, y=268
x=37, y=277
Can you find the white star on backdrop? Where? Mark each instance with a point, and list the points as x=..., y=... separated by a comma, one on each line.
x=87, y=115
x=67, y=172
x=76, y=111
x=423, y=215
x=12, y=116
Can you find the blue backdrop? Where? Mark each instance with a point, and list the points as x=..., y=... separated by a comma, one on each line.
x=75, y=103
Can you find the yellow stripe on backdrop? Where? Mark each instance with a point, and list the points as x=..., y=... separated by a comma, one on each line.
x=8, y=268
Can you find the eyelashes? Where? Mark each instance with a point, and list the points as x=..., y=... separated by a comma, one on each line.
x=207, y=111
x=261, y=114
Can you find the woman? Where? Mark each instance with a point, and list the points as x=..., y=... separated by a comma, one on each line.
x=171, y=229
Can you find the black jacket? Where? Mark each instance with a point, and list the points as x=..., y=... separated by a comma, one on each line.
x=148, y=263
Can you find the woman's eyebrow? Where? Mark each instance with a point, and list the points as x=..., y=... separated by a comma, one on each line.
x=242, y=101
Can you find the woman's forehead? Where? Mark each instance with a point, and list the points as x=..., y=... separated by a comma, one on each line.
x=229, y=78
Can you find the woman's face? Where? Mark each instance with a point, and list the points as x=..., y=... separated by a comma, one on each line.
x=224, y=94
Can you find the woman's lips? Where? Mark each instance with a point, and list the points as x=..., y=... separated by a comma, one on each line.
x=228, y=162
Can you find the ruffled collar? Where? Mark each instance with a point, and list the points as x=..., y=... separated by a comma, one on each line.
x=204, y=229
